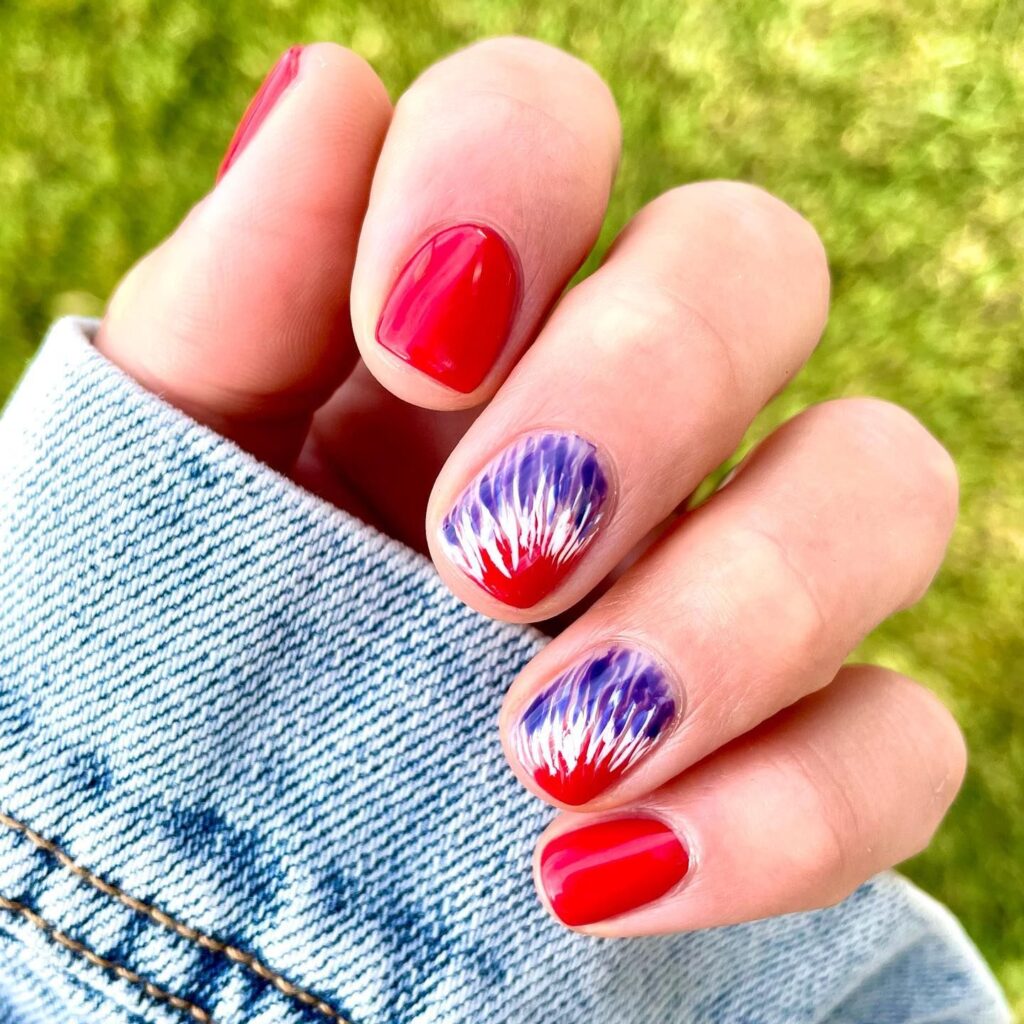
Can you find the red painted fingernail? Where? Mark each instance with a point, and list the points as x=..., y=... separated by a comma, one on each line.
x=603, y=870
x=282, y=74
x=451, y=309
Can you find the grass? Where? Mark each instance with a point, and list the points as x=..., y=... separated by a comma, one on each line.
x=894, y=125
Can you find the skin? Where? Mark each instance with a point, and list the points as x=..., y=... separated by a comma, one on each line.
x=792, y=778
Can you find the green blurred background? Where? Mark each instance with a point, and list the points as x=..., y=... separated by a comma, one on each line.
x=895, y=126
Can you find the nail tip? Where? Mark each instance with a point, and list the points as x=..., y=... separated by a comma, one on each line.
x=439, y=375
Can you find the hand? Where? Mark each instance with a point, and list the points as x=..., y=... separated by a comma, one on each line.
x=362, y=281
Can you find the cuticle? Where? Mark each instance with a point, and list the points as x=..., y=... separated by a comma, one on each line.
x=679, y=690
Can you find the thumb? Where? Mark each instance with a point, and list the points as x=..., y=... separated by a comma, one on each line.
x=241, y=318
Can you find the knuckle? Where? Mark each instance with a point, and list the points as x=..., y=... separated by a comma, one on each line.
x=925, y=741
x=943, y=760
x=347, y=62
x=520, y=57
x=647, y=320
x=353, y=85
x=646, y=309
x=802, y=623
x=540, y=75
x=527, y=90
x=820, y=858
x=900, y=443
x=767, y=220
x=750, y=222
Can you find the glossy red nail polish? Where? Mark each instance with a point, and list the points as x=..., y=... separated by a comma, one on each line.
x=450, y=311
x=603, y=870
x=282, y=74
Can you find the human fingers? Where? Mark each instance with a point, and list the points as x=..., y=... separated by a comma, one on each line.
x=644, y=379
x=836, y=521
x=792, y=817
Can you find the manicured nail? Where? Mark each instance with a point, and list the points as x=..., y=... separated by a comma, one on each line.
x=450, y=311
x=282, y=74
x=594, y=723
x=519, y=527
x=607, y=869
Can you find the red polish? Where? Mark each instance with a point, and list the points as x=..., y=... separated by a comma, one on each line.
x=450, y=311
x=603, y=870
x=282, y=74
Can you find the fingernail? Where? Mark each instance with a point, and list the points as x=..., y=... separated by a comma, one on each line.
x=450, y=311
x=607, y=869
x=282, y=74
x=595, y=722
x=523, y=523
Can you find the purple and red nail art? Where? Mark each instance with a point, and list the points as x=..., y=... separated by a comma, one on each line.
x=529, y=515
x=594, y=722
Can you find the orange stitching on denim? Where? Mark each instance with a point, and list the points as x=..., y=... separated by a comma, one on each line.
x=151, y=990
x=247, y=960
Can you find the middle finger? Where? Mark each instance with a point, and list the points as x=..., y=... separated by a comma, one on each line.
x=645, y=379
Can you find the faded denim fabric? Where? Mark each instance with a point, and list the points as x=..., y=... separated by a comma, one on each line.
x=249, y=772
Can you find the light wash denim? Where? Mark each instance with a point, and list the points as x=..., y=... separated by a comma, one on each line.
x=249, y=772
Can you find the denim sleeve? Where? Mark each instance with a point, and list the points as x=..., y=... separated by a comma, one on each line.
x=249, y=772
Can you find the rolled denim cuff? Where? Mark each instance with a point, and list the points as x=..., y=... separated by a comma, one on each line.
x=249, y=771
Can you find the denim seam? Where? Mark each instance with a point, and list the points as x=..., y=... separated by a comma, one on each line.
x=125, y=973
x=247, y=960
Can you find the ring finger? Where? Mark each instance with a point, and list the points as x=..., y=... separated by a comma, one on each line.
x=753, y=601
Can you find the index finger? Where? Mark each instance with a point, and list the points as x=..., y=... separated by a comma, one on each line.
x=489, y=193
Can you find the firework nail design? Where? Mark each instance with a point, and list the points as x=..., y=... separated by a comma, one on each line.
x=518, y=528
x=594, y=722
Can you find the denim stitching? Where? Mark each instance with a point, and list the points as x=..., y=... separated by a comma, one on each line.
x=164, y=920
x=78, y=948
